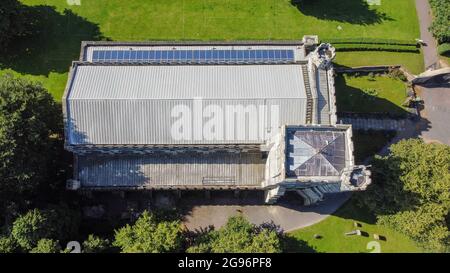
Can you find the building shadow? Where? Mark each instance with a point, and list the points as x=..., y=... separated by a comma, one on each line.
x=350, y=99
x=50, y=43
x=347, y=11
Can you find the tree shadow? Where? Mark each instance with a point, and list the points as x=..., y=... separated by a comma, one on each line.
x=291, y=244
x=50, y=43
x=347, y=11
x=354, y=210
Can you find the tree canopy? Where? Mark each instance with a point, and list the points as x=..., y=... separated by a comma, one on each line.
x=7, y=244
x=29, y=118
x=47, y=246
x=411, y=191
x=148, y=235
x=29, y=228
x=56, y=223
x=10, y=20
x=441, y=20
x=95, y=244
x=237, y=236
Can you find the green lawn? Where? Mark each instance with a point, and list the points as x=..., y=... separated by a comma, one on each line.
x=245, y=19
x=364, y=94
x=412, y=61
x=47, y=56
x=333, y=240
x=55, y=83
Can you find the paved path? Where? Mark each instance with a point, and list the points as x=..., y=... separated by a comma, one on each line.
x=376, y=124
x=437, y=112
x=287, y=214
x=425, y=19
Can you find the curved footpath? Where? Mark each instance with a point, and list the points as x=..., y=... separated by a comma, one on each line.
x=285, y=214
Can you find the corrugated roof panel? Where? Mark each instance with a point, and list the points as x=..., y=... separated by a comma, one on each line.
x=151, y=121
x=187, y=82
x=136, y=104
x=184, y=169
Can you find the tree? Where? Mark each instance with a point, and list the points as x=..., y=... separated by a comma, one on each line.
x=8, y=244
x=28, y=229
x=55, y=223
x=47, y=246
x=239, y=236
x=10, y=21
x=411, y=191
x=29, y=122
x=95, y=244
x=441, y=20
x=149, y=235
x=426, y=225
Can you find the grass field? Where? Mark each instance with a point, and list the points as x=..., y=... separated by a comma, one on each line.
x=364, y=94
x=412, y=61
x=244, y=19
x=47, y=56
x=333, y=240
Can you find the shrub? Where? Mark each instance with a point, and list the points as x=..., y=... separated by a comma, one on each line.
x=8, y=244
x=29, y=228
x=239, y=236
x=371, y=92
x=395, y=73
x=47, y=246
x=376, y=47
x=444, y=49
x=95, y=244
x=37, y=224
x=148, y=235
x=370, y=41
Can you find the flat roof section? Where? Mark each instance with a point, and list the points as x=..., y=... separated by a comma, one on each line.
x=161, y=170
x=248, y=51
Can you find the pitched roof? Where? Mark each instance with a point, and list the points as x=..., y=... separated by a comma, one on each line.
x=315, y=153
x=132, y=104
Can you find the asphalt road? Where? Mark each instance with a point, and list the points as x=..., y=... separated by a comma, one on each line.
x=425, y=20
x=437, y=112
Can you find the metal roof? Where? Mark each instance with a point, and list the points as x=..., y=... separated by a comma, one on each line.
x=187, y=82
x=132, y=104
x=160, y=170
x=316, y=152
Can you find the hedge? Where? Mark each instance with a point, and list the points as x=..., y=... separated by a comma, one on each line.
x=375, y=47
x=374, y=41
x=444, y=49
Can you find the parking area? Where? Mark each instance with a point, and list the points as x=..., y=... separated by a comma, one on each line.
x=437, y=112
